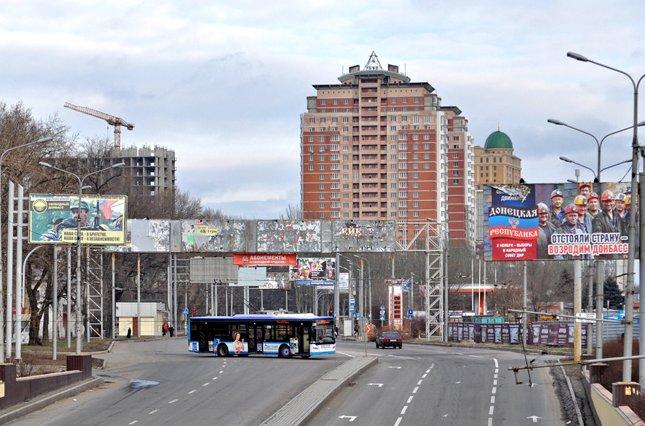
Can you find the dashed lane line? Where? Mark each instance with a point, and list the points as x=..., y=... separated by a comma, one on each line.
x=410, y=399
x=133, y=422
x=405, y=408
x=173, y=401
x=206, y=384
x=398, y=421
x=192, y=392
x=415, y=389
x=419, y=382
x=153, y=411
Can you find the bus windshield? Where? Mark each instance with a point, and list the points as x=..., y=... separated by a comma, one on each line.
x=324, y=334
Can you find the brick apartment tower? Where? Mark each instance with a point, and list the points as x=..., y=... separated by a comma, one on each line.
x=380, y=147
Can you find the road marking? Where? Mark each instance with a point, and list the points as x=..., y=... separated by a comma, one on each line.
x=398, y=421
x=153, y=411
x=398, y=367
x=133, y=422
x=474, y=356
x=424, y=376
x=419, y=382
x=496, y=371
x=490, y=421
x=534, y=418
x=405, y=408
x=445, y=415
x=490, y=410
x=492, y=399
x=494, y=382
x=206, y=384
x=415, y=389
x=496, y=364
x=173, y=401
x=215, y=378
x=458, y=383
x=494, y=391
x=427, y=371
x=380, y=385
x=346, y=354
x=350, y=418
x=220, y=372
x=495, y=376
x=192, y=391
x=410, y=399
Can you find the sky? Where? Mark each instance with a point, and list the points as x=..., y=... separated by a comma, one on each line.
x=224, y=83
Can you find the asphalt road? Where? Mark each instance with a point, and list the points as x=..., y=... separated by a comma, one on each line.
x=422, y=385
x=196, y=389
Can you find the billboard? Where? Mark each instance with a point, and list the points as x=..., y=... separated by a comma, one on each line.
x=557, y=221
x=314, y=271
x=262, y=259
x=54, y=219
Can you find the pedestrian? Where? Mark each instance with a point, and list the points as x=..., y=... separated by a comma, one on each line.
x=129, y=335
x=163, y=329
x=171, y=330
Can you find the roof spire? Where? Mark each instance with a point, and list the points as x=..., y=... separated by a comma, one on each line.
x=498, y=126
x=373, y=63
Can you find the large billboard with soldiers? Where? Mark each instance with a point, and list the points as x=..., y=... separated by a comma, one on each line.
x=54, y=219
x=557, y=221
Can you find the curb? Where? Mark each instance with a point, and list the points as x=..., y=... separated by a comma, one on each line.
x=501, y=348
x=31, y=406
x=307, y=403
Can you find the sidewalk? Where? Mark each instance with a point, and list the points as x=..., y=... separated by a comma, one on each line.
x=543, y=350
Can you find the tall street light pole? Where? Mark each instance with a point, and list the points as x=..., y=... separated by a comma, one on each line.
x=81, y=179
x=9, y=310
x=599, y=267
x=629, y=290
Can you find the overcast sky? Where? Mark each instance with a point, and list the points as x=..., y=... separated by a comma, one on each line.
x=223, y=83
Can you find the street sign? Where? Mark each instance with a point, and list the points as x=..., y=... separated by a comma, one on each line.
x=410, y=313
x=352, y=305
x=586, y=317
x=184, y=311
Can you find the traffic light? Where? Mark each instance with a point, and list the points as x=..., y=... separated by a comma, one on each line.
x=396, y=306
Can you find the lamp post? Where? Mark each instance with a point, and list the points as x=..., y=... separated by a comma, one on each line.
x=80, y=179
x=9, y=290
x=20, y=290
x=597, y=176
x=629, y=289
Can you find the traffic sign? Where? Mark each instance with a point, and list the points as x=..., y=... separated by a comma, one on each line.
x=184, y=311
x=410, y=313
x=352, y=305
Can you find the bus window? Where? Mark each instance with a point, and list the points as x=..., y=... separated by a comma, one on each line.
x=324, y=333
x=282, y=333
x=269, y=332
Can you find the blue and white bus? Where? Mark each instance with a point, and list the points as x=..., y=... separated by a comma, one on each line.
x=282, y=335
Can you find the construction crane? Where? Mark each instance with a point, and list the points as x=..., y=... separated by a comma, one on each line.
x=117, y=122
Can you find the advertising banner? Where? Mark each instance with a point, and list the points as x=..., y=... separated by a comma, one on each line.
x=54, y=219
x=259, y=259
x=556, y=221
x=314, y=271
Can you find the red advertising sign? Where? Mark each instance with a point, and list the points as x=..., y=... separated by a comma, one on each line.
x=260, y=259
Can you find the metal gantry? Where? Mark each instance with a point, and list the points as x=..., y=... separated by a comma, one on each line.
x=95, y=319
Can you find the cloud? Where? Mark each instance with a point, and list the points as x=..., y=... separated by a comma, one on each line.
x=224, y=83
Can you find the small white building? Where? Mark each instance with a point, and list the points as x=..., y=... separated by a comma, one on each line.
x=153, y=315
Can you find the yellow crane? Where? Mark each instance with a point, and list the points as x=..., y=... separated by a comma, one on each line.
x=117, y=122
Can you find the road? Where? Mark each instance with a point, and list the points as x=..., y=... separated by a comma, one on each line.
x=420, y=385
x=196, y=389
x=416, y=385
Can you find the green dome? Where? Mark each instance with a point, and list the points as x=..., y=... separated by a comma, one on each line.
x=498, y=140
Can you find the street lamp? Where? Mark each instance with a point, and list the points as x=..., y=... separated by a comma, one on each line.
x=9, y=290
x=599, y=143
x=80, y=179
x=629, y=289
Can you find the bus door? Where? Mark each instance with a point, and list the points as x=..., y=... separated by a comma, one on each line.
x=255, y=335
x=303, y=339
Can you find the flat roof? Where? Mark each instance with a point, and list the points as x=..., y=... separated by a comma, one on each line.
x=259, y=317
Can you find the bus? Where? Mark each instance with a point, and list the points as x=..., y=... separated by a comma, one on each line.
x=282, y=335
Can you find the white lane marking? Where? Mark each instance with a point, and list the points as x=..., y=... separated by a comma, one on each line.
x=534, y=418
x=398, y=367
x=496, y=371
x=410, y=399
x=494, y=391
x=153, y=411
x=492, y=399
x=445, y=415
x=398, y=421
x=490, y=421
x=206, y=384
x=380, y=385
x=419, y=382
x=220, y=372
x=215, y=378
x=496, y=364
x=133, y=422
x=346, y=354
x=350, y=418
x=192, y=392
x=490, y=410
x=427, y=371
x=474, y=356
x=494, y=382
x=495, y=376
x=415, y=389
x=405, y=408
x=424, y=376
x=173, y=401
x=458, y=383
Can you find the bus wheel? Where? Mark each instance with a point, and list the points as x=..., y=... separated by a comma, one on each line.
x=284, y=351
x=222, y=350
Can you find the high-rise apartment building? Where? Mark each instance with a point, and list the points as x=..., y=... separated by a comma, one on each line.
x=377, y=146
x=495, y=163
x=151, y=170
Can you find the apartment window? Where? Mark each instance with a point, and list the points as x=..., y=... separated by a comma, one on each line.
x=323, y=102
x=403, y=155
x=404, y=118
x=393, y=185
x=455, y=163
x=334, y=176
x=393, y=128
x=345, y=186
x=455, y=138
x=455, y=146
x=403, y=175
x=321, y=186
x=335, y=102
x=334, y=147
x=426, y=119
x=403, y=185
x=322, y=195
x=312, y=120
x=403, y=194
x=345, y=166
x=345, y=129
x=415, y=119
x=426, y=146
x=335, y=213
x=323, y=120
x=415, y=185
x=393, y=204
x=321, y=138
x=415, y=166
x=311, y=139
x=312, y=129
x=311, y=167
x=345, y=139
x=403, y=166
x=415, y=175
x=345, y=176
x=415, y=194
x=322, y=205
x=321, y=157
x=403, y=146
x=455, y=181
x=345, y=205
x=426, y=156
x=403, y=203
x=415, y=204
x=311, y=157
x=345, y=101
x=335, y=138
x=334, y=185
x=321, y=177
x=393, y=157
x=426, y=166
x=392, y=137
x=335, y=166
x=392, y=194
x=402, y=137
x=415, y=214
x=393, y=118
x=334, y=157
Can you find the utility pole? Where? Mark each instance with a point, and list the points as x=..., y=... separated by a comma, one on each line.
x=524, y=304
x=577, y=309
x=336, y=291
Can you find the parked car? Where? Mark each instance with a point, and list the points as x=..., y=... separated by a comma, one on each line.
x=389, y=338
